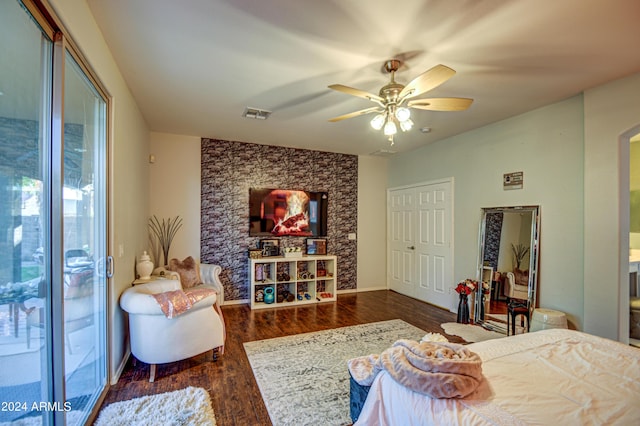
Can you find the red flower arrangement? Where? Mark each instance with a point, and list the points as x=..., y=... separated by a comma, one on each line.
x=467, y=287
x=486, y=288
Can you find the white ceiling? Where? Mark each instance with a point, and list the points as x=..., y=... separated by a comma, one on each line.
x=194, y=65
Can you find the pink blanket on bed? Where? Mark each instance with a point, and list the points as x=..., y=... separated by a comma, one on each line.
x=174, y=303
x=437, y=369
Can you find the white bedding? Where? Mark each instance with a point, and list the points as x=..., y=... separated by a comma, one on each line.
x=559, y=377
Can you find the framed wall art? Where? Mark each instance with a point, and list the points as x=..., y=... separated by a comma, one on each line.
x=316, y=246
x=270, y=247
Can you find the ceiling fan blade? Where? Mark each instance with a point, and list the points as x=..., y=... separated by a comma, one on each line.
x=426, y=81
x=356, y=92
x=441, y=104
x=355, y=114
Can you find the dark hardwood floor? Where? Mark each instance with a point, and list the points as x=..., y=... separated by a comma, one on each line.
x=235, y=396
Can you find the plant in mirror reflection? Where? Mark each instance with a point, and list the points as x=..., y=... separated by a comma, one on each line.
x=519, y=253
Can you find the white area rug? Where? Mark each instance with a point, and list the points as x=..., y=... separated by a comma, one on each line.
x=470, y=333
x=304, y=378
x=190, y=406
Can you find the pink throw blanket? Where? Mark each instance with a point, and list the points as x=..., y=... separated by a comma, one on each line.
x=436, y=369
x=176, y=302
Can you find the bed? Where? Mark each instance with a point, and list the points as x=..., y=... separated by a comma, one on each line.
x=546, y=377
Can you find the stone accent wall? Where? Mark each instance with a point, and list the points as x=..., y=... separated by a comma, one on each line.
x=229, y=169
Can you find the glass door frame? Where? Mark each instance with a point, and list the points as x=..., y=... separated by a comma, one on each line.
x=45, y=16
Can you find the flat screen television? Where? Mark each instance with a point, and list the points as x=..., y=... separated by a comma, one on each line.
x=281, y=212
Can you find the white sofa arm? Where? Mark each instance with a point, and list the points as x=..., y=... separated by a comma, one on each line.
x=210, y=275
x=206, y=302
x=139, y=303
x=139, y=299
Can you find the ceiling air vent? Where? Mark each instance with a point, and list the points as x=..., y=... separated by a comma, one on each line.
x=258, y=114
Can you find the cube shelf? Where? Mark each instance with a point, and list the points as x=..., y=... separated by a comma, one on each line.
x=295, y=281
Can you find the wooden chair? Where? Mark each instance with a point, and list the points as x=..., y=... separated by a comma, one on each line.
x=514, y=309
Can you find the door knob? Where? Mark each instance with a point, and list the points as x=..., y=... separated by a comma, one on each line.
x=411, y=247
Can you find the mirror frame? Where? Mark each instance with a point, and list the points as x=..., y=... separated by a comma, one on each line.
x=534, y=257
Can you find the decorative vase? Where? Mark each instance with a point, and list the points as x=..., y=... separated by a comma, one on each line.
x=144, y=268
x=268, y=295
x=463, y=310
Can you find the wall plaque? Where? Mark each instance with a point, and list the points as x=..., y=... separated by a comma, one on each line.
x=513, y=180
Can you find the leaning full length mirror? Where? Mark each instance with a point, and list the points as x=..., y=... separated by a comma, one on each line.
x=507, y=263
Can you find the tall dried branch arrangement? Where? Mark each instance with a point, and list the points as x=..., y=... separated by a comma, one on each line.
x=519, y=252
x=154, y=248
x=164, y=232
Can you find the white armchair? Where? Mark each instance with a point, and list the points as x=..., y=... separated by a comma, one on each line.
x=156, y=339
x=513, y=290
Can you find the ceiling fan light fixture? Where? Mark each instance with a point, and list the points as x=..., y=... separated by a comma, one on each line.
x=406, y=125
x=403, y=114
x=390, y=128
x=378, y=121
x=396, y=100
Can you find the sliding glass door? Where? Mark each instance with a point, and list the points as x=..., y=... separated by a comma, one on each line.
x=53, y=204
x=25, y=300
x=83, y=239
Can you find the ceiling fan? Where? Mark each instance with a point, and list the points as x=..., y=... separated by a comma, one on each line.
x=391, y=111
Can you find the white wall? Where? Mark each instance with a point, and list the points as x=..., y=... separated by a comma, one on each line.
x=372, y=223
x=612, y=116
x=545, y=144
x=129, y=168
x=174, y=189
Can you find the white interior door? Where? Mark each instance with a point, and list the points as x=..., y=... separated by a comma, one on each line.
x=420, y=242
x=433, y=243
x=401, y=241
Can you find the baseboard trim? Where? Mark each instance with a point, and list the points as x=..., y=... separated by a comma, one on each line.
x=235, y=302
x=362, y=290
x=123, y=364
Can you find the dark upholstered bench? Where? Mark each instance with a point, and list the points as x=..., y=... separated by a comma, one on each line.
x=357, y=397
